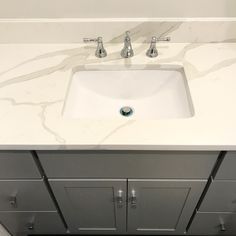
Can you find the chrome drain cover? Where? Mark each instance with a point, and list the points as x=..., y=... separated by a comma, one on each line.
x=126, y=111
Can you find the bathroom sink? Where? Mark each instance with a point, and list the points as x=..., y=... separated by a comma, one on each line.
x=128, y=93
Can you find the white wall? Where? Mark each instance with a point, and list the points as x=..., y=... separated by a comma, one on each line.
x=116, y=8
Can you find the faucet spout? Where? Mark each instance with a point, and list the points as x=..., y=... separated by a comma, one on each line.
x=127, y=51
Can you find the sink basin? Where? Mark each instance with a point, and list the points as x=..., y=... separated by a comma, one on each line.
x=129, y=93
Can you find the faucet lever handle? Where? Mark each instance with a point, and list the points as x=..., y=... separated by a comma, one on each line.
x=93, y=40
x=100, y=51
x=90, y=40
x=160, y=39
x=165, y=39
x=152, y=51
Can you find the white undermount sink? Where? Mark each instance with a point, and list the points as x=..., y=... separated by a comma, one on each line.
x=128, y=93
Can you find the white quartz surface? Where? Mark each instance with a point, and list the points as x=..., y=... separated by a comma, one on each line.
x=34, y=80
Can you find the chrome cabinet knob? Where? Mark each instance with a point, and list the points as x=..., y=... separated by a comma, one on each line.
x=30, y=226
x=119, y=198
x=222, y=227
x=133, y=199
x=13, y=201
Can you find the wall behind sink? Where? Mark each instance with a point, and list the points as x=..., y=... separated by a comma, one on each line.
x=116, y=8
x=68, y=21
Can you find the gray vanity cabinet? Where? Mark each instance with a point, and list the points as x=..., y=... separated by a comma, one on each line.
x=92, y=205
x=127, y=192
x=161, y=206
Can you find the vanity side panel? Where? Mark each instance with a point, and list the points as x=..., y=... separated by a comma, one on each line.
x=127, y=164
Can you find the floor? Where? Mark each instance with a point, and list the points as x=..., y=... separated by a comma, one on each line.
x=3, y=232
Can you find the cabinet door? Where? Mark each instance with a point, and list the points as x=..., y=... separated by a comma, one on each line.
x=92, y=206
x=162, y=206
x=25, y=195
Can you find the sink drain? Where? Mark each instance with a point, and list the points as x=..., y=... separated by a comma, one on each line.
x=126, y=111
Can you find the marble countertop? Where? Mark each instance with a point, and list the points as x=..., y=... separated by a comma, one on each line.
x=34, y=79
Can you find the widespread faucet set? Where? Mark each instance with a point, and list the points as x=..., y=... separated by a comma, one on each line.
x=127, y=50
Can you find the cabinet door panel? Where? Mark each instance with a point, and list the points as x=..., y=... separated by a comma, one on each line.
x=30, y=223
x=92, y=206
x=162, y=206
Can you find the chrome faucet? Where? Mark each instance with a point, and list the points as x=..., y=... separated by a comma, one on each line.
x=100, y=51
x=152, y=51
x=127, y=51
